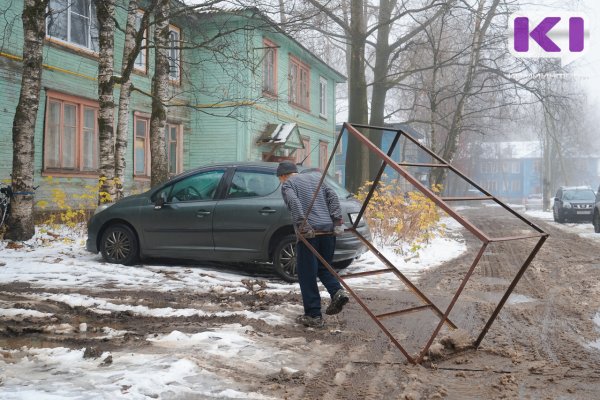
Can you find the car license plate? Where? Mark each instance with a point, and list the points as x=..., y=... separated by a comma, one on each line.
x=583, y=212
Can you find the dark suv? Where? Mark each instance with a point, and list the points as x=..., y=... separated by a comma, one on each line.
x=573, y=203
x=222, y=212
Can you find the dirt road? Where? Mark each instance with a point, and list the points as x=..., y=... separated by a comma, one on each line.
x=538, y=347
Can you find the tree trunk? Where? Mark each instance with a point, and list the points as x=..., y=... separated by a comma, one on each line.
x=106, y=115
x=20, y=222
x=357, y=155
x=130, y=51
x=380, y=81
x=159, y=169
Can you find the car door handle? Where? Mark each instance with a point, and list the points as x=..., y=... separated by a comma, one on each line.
x=202, y=213
x=267, y=210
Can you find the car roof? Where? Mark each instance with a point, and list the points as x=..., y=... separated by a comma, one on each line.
x=576, y=188
x=259, y=164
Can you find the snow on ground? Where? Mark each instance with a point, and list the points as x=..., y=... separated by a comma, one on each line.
x=176, y=365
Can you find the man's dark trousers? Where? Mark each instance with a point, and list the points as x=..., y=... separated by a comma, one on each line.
x=309, y=268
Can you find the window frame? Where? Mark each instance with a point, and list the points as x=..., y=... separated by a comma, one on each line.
x=322, y=97
x=175, y=79
x=139, y=116
x=178, y=147
x=144, y=50
x=81, y=104
x=68, y=42
x=296, y=85
x=269, y=48
x=304, y=153
x=323, y=156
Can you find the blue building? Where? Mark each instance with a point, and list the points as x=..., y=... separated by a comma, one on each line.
x=408, y=153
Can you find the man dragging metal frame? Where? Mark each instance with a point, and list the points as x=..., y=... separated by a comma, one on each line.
x=320, y=227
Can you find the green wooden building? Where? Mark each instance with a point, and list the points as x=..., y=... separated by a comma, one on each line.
x=241, y=89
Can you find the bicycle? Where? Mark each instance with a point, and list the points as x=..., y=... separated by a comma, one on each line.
x=5, y=196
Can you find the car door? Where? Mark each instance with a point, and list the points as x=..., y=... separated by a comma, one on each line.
x=182, y=227
x=251, y=210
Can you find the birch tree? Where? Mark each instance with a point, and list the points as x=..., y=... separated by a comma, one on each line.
x=20, y=222
x=105, y=10
x=160, y=95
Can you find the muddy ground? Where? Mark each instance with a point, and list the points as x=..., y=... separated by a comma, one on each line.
x=537, y=348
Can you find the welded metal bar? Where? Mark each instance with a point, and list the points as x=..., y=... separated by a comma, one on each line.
x=509, y=238
x=424, y=189
x=402, y=277
x=405, y=311
x=376, y=181
x=510, y=289
x=408, y=164
x=467, y=198
x=453, y=302
x=367, y=273
x=463, y=176
x=358, y=300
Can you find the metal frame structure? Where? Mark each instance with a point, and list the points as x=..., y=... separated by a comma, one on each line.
x=441, y=202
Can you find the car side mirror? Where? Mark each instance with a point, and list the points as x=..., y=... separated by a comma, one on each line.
x=160, y=201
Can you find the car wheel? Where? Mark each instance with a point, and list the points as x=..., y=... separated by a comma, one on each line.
x=284, y=258
x=342, y=264
x=119, y=245
x=596, y=222
x=554, y=216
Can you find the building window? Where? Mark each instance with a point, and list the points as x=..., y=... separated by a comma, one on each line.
x=142, y=57
x=174, y=148
x=323, y=154
x=74, y=22
x=141, y=146
x=323, y=97
x=141, y=155
x=299, y=77
x=174, y=53
x=270, y=68
x=303, y=155
x=71, y=134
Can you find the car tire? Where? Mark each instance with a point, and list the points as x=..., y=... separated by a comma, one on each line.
x=284, y=258
x=119, y=245
x=596, y=222
x=342, y=264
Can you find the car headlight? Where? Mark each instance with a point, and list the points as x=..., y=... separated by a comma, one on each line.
x=567, y=205
x=102, y=207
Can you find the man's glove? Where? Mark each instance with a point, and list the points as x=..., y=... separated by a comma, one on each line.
x=338, y=230
x=307, y=231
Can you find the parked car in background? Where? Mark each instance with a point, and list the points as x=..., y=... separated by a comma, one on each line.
x=573, y=203
x=596, y=213
x=224, y=212
x=533, y=202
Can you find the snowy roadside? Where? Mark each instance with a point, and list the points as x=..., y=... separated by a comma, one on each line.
x=202, y=364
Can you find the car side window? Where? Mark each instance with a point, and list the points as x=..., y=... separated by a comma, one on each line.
x=198, y=187
x=252, y=184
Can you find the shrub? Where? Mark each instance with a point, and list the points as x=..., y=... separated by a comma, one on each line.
x=404, y=220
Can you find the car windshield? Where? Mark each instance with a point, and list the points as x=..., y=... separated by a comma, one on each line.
x=339, y=189
x=583, y=195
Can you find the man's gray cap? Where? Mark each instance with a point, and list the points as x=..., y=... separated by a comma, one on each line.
x=286, y=167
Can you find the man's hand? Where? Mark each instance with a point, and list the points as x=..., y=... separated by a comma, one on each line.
x=338, y=230
x=307, y=231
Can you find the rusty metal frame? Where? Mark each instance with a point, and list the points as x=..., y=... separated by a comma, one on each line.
x=441, y=202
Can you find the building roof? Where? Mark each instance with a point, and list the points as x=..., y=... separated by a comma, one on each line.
x=525, y=149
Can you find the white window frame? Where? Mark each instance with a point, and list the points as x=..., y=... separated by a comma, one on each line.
x=322, y=97
x=174, y=54
x=141, y=61
x=92, y=23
